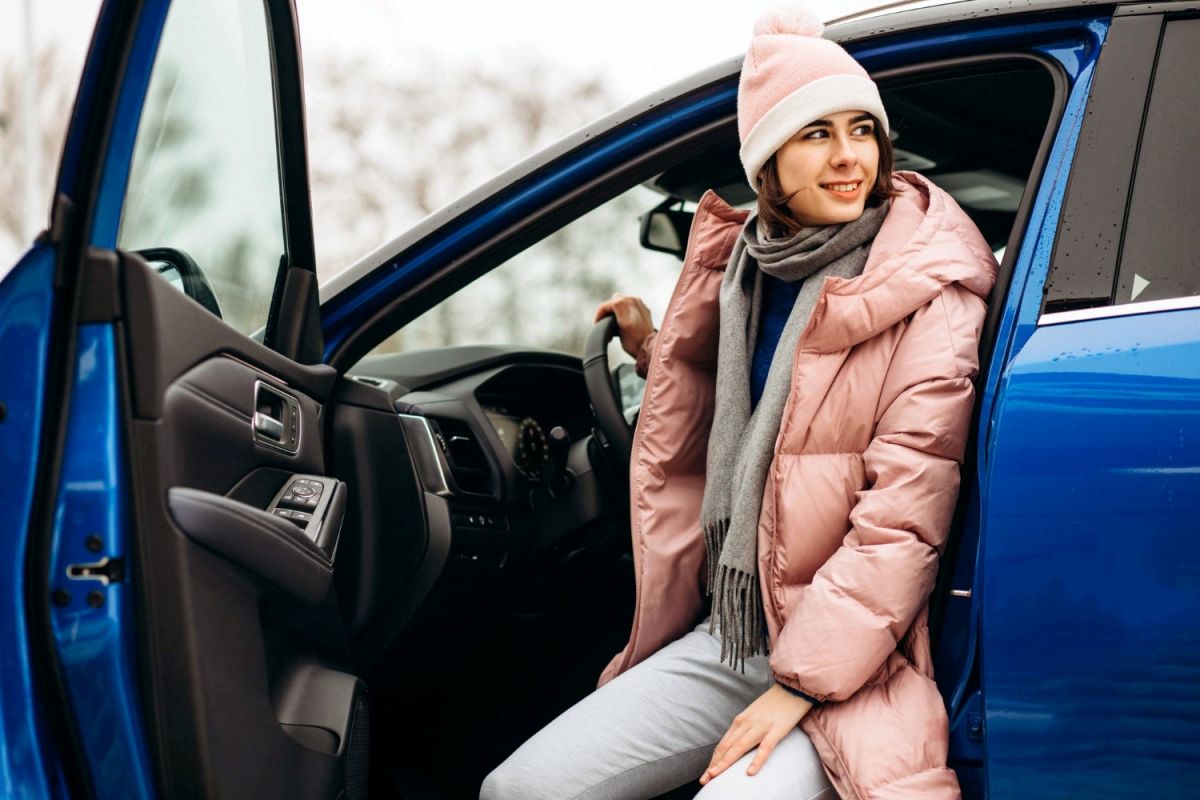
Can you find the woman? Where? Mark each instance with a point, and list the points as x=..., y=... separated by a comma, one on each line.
x=807, y=405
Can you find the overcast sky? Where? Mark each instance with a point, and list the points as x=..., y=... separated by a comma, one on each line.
x=640, y=45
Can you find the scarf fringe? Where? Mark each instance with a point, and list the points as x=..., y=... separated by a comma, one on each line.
x=737, y=603
x=714, y=540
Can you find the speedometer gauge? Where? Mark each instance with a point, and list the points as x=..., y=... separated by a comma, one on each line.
x=531, y=446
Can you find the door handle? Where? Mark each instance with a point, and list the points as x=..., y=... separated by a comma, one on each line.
x=268, y=426
x=276, y=419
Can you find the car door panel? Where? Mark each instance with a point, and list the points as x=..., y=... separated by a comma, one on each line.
x=219, y=616
x=1088, y=616
x=226, y=582
x=190, y=335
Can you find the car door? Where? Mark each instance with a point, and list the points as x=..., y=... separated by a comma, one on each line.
x=1089, y=557
x=185, y=636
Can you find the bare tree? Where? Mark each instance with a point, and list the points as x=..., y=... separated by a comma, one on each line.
x=54, y=89
x=388, y=150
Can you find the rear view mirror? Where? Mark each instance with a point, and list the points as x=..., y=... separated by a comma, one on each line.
x=182, y=272
x=666, y=229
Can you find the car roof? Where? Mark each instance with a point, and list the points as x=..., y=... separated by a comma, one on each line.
x=901, y=16
x=881, y=20
x=893, y=7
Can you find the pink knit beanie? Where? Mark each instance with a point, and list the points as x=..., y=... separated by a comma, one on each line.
x=791, y=77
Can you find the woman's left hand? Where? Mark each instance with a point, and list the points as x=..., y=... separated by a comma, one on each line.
x=763, y=724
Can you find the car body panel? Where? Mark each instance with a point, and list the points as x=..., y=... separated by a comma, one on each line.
x=26, y=304
x=1091, y=561
x=93, y=616
x=126, y=115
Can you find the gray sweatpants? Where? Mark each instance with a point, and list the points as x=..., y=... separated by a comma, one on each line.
x=654, y=728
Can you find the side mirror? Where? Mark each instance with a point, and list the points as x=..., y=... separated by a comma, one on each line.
x=666, y=229
x=182, y=272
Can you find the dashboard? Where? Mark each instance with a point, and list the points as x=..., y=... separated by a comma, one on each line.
x=499, y=421
x=503, y=422
x=496, y=446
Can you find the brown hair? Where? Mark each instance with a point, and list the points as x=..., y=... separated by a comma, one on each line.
x=773, y=203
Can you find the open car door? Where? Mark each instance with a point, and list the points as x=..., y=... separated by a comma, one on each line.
x=182, y=539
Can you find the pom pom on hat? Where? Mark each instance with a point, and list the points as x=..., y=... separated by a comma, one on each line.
x=797, y=20
x=791, y=76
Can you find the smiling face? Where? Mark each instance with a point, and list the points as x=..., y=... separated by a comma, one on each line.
x=831, y=165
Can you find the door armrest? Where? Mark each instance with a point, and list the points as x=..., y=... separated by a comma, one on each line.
x=261, y=543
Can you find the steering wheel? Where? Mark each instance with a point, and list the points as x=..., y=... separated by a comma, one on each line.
x=615, y=433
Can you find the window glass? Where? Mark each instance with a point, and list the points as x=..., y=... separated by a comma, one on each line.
x=1088, y=237
x=546, y=295
x=1161, y=254
x=205, y=173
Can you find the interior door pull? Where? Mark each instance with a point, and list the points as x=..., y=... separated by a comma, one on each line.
x=268, y=426
x=276, y=418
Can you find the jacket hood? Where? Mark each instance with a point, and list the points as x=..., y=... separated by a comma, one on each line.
x=925, y=243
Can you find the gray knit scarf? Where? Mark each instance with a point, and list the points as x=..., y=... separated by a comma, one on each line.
x=742, y=444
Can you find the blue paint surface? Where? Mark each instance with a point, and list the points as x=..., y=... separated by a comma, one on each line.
x=96, y=644
x=26, y=305
x=1092, y=656
x=110, y=197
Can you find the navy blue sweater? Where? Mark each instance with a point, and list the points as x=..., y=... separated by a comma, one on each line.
x=778, y=297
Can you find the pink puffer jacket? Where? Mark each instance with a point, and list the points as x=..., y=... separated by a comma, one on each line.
x=860, y=494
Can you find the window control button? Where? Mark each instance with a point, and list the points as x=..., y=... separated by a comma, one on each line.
x=282, y=512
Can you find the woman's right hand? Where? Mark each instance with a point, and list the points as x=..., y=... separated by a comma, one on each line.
x=633, y=320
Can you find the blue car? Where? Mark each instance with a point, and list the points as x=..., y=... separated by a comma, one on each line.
x=254, y=548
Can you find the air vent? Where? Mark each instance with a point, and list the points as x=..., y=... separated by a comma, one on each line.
x=466, y=458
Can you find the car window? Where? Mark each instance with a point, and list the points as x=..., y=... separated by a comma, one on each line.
x=204, y=179
x=546, y=295
x=1160, y=258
